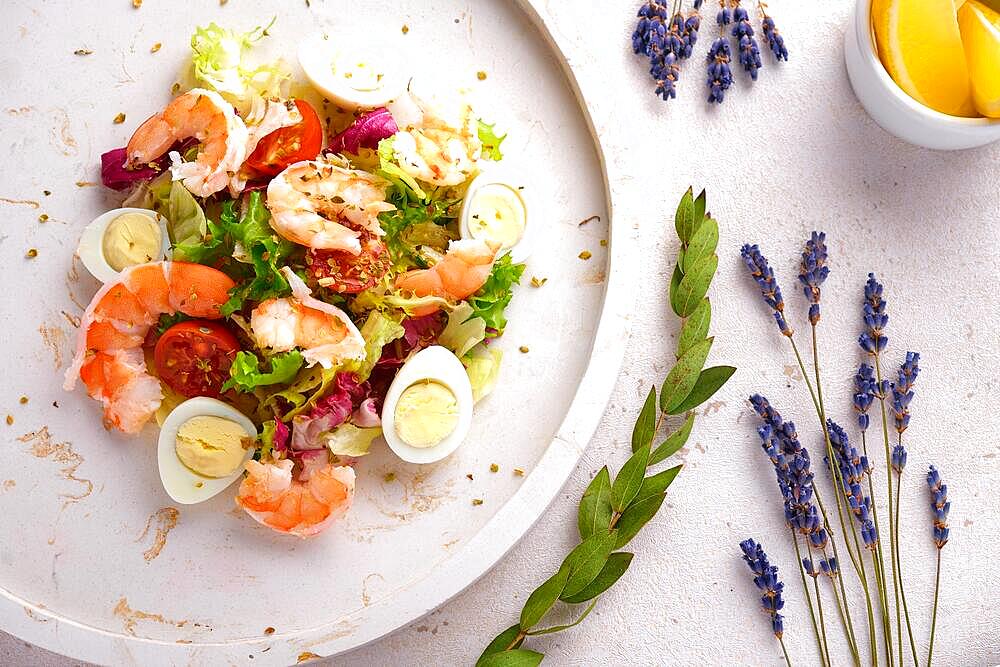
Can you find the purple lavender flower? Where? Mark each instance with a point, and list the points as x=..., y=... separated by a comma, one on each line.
x=720, y=76
x=898, y=459
x=902, y=391
x=762, y=274
x=813, y=271
x=853, y=467
x=874, y=340
x=665, y=71
x=940, y=506
x=775, y=41
x=724, y=17
x=651, y=28
x=830, y=567
x=749, y=50
x=812, y=571
x=689, y=36
x=766, y=580
x=864, y=393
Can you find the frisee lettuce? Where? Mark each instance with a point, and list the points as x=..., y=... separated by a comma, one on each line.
x=495, y=294
x=490, y=141
x=245, y=374
x=463, y=331
x=392, y=172
x=378, y=331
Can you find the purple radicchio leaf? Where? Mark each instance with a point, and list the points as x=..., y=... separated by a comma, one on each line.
x=365, y=132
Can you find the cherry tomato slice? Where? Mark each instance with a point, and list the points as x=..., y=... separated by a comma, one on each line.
x=345, y=273
x=287, y=145
x=193, y=357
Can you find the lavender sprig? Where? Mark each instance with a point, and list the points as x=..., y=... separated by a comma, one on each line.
x=766, y=580
x=651, y=28
x=902, y=391
x=853, y=468
x=720, y=75
x=749, y=51
x=866, y=390
x=775, y=40
x=940, y=506
x=813, y=272
x=873, y=340
x=763, y=275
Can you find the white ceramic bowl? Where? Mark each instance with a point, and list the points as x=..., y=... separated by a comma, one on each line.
x=894, y=110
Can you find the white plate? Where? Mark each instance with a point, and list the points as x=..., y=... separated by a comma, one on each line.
x=91, y=563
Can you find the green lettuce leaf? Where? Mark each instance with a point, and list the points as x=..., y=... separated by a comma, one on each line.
x=491, y=142
x=482, y=365
x=392, y=172
x=245, y=374
x=217, y=55
x=186, y=222
x=266, y=439
x=387, y=300
x=495, y=294
x=463, y=331
x=303, y=392
x=378, y=331
x=350, y=440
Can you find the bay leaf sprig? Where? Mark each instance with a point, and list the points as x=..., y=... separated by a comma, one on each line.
x=613, y=510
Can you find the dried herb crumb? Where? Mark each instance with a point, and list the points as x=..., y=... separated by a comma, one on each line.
x=82, y=52
x=405, y=28
x=10, y=420
x=519, y=472
x=137, y=3
x=389, y=477
x=23, y=400
x=469, y=475
x=604, y=243
x=269, y=630
x=523, y=349
x=222, y=2
x=481, y=75
x=494, y=467
x=538, y=282
x=477, y=501
x=585, y=255
x=155, y=47
x=32, y=253
x=119, y=119
x=46, y=192
x=55, y=404
x=43, y=217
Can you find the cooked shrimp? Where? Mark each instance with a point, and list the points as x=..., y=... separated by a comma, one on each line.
x=319, y=204
x=442, y=147
x=302, y=507
x=109, y=357
x=324, y=332
x=204, y=115
x=464, y=269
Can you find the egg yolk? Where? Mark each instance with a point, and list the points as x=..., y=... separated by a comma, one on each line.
x=211, y=446
x=130, y=239
x=426, y=413
x=497, y=215
x=357, y=74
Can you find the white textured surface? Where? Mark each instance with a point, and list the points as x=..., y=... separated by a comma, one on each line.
x=792, y=153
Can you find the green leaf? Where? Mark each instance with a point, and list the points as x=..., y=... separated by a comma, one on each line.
x=675, y=281
x=684, y=217
x=656, y=484
x=491, y=142
x=635, y=517
x=645, y=425
x=614, y=568
x=587, y=560
x=673, y=443
x=629, y=479
x=543, y=597
x=245, y=374
x=520, y=657
x=567, y=626
x=702, y=245
x=378, y=331
x=595, y=506
x=683, y=376
x=700, y=203
x=694, y=286
x=493, y=297
x=501, y=642
x=709, y=381
x=695, y=327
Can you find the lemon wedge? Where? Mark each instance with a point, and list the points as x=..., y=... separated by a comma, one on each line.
x=921, y=47
x=980, y=27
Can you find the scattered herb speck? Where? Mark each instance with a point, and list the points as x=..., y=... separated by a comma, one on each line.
x=477, y=501
x=82, y=52
x=538, y=282
x=494, y=467
x=43, y=217
x=523, y=349
x=10, y=420
x=23, y=400
x=119, y=119
x=481, y=75
x=32, y=253
x=389, y=477
x=405, y=28
x=585, y=255
x=155, y=47
x=519, y=472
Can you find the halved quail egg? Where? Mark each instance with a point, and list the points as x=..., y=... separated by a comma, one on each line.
x=495, y=210
x=121, y=238
x=348, y=74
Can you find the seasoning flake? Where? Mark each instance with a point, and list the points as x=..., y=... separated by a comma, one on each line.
x=119, y=119
x=585, y=255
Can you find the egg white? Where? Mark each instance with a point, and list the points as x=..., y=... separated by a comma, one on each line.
x=440, y=365
x=91, y=248
x=497, y=175
x=317, y=55
x=179, y=481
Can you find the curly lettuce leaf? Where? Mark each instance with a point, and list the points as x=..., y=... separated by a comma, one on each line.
x=245, y=374
x=218, y=56
x=463, y=331
x=301, y=394
x=392, y=172
x=495, y=294
x=415, y=225
x=482, y=365
x=378, y=331
x=350, y=440
x=387, y=300
x=273, y=436
x=491, y=142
